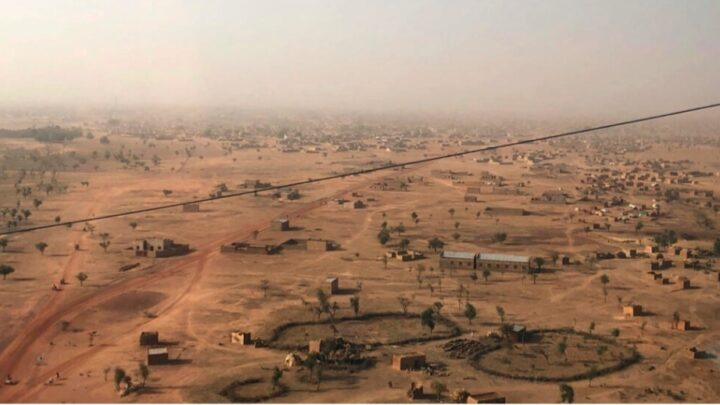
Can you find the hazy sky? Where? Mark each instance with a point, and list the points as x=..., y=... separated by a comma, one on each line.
x=443, y=56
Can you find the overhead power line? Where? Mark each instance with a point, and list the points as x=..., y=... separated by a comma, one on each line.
x=366, y=171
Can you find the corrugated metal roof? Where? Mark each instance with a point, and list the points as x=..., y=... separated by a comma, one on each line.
x=498, y=257
x=157, y=350
x=458, y=255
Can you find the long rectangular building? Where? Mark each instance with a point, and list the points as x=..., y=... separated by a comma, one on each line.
x=490, y=261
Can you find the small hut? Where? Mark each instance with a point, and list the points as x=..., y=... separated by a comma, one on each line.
x=149, y=338
x=157, y=355
x=632, y=310
x=408, y=361
x=242, y=338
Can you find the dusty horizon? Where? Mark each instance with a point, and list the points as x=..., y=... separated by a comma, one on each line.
x=462, y=58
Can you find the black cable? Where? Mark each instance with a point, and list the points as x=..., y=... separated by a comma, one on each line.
x=359, y=172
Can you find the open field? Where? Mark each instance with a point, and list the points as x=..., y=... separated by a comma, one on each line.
x=195, y=300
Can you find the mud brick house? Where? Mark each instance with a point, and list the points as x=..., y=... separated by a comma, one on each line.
x=630, y=311
x=250, y=248
x=316, y=346
x=243, y=338
x=192, y=207
x=502, y=211
x=157, y=355
x=457, y=260
x=255, y=184
x=333, y=285
x=516, y=333
x=158, y=247
x=693, y=353
x=149, y=338
x=319, y=245
x=683, y=325
x=282, y=224
x=404, y=255
x=408, y=361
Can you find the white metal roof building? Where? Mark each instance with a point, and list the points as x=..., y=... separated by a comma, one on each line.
x=458, y=255
x=498, y=257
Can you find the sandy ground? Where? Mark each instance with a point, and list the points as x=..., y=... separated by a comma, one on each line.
x=196, y=300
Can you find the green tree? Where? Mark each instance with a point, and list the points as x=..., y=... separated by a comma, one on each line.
x=427, y=319
x=5, y=270
x=676, y=319
x=486, y=275
x=474, y=276
x=451, y=211
x=501, y=313
x=470, y=312
x=105, y=244
x=120, y=375
x=592, y=373
x=567, y=394
x=276, y=376
x=638, y=227
x=404, y=303
x=438, y=388
x=562, y=348
x=323, y=303
x=604, y=280
x=133, y=225
x=41, y=246
x=716, y=247
x=383, y=236
x=144, y=372
x=591, y=328
x=435, y=244
x=81, y=277
x=665, y=238
x=499, y=237
x=539, y=262
x=615, y=333
x=456, y=236
x=3, y=243
x=355, y=304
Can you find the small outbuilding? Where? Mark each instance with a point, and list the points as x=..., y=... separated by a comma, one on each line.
x=243, y=338
x=281, y=224
x=333, y=285
x=692, y=353
x=683, y=325
x=408, y=361
x=157, y=355
x=632, y=310
x=149, y=338
x=315, y=346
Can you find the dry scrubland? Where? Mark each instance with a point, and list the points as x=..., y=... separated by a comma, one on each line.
x=196, y=300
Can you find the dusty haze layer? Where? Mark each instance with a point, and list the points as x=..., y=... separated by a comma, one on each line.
x=464, y=57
